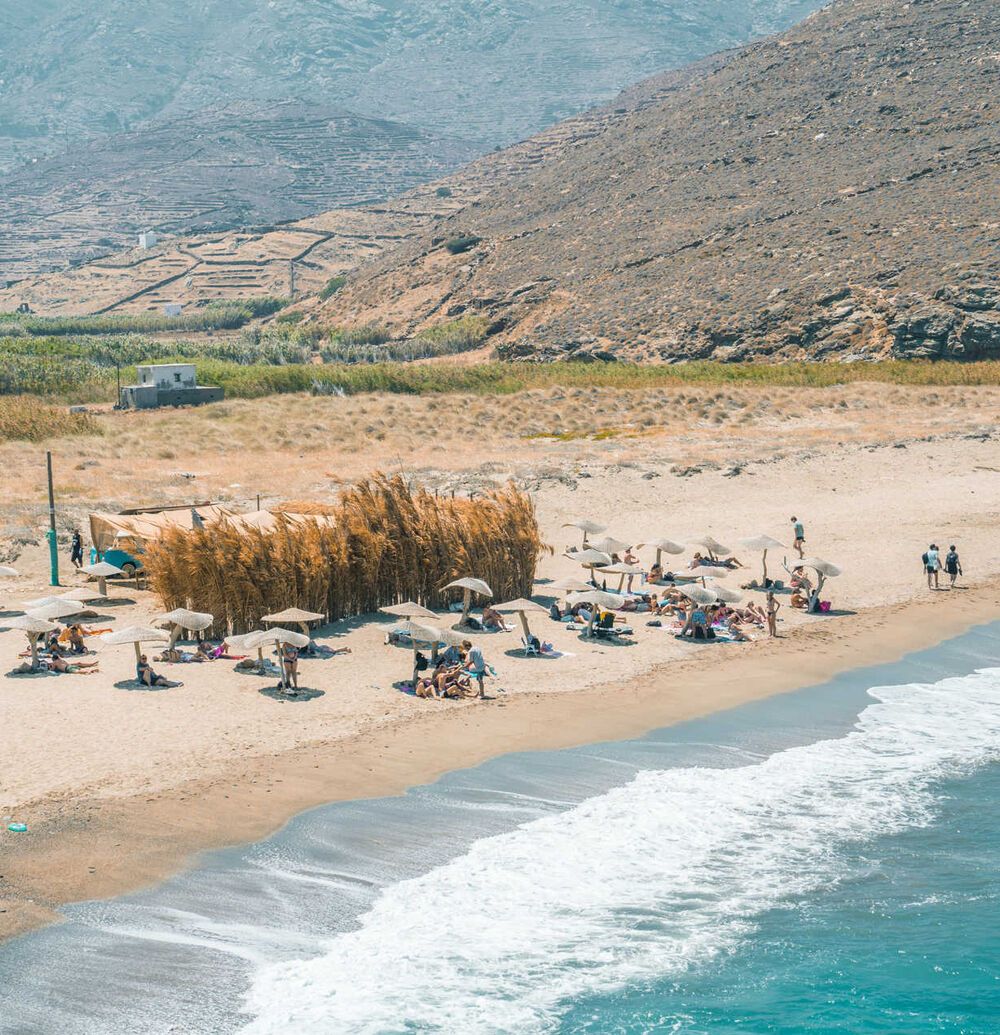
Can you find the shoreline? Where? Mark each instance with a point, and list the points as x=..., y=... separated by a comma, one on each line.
x=114, y=846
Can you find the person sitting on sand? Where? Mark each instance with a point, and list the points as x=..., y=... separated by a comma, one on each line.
x=76, y=644
x=799, y=600
x=655, y=572
x=493, y=620
x=52, y=642
x=737, y=631
x=424, y=687
x=554, y=613
x=146, y=676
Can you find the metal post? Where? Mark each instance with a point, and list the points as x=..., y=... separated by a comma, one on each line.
x=51, y=534
x=258, y=501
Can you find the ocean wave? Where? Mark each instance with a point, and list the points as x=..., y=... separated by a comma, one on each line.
x=642, y=882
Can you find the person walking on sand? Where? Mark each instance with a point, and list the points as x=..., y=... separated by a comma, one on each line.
x=76, y=549
x=772, y=609
x=952, y=565
x=932, y=565
x=800, y=536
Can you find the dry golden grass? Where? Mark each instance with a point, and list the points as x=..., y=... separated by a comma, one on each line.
x=386, y=543
x=29, y=419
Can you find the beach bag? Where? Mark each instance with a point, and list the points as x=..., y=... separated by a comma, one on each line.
x=824, y=606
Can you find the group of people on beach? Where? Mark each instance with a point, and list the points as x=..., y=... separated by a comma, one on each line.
x=453, y=673
x=933, y=566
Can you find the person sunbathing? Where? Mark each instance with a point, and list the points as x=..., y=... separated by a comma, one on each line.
x=655, y=573
x=176, y=656
x=451, y=682
x=60, y=664
x=737, y=632
x=424, y=687
x=76, y=644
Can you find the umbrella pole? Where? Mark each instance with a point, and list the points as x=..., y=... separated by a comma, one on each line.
x=33, y=643
x=175, y=635
x=414, y=676
x=102, y=585
x=764, y=561
x=138, y=652
x=466, y=606
x=590, y=624
x=659, y=554
x=260, y=660
x=524, y=627
x=621, y=582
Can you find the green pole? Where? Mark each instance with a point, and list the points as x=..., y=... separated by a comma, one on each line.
x=51, y=534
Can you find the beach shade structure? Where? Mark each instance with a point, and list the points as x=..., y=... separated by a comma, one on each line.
x=469, y=585
x=408, y=609
x=597, y=598
x=588, y=528
x=623, y=570
x=34, y=605
x=56, y=610
x=725, y=595
x=33, y=627
x=570, y=585
x=662, y=546
x=82, y=595
x=609, y=545
x=761, y=544
x=277, y=637
x=247, y=642
x=714, y=547
x=592, y=559
x=708, y=572
x=297, y=615
x=101, y=571
x=423, y=635
x=136, y=635
x=700, y=595
x=7, y=572
x=182, y=618
x=522, y=608
x=824, y=570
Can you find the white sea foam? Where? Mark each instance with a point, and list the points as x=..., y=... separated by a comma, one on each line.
x=636, y=884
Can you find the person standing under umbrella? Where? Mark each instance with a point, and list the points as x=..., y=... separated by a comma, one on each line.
x=76, y=549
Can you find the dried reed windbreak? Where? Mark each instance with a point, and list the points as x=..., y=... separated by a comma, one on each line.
x=32, y=420
x=385, y=544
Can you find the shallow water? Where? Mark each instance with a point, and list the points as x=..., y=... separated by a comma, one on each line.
x=823, y=861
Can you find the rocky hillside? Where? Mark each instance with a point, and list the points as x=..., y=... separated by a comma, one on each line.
x=831, y=192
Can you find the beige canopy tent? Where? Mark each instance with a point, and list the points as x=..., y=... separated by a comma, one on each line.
x=33, y=627
x=469, y=585
x=587, y=527
x=136, y=635
x=598, y=598
x=297, y=615
x=761, y=544
x=522, y=607
x=180, y=619
x=102, y=571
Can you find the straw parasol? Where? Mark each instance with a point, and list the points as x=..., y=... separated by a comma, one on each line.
x=727, y=595
x=83, y=595
x=521, y=607
x=622, y=569
x=34, y=605
x=700, y=595
x=592, y=559
x=102, y=571
x=662, y=546
x=761, y=544
x=33, y=627
x=428, y=636
x=469, y=585
x=56, y=610
x=570, y=585
x=7, y=572
x=408, y=609
x=610, y=545
x=180, y=619
x=823, y=569
x=135, y=634
x=297, y=615
x=714, y=547
x=586, y=527
x=599, y=598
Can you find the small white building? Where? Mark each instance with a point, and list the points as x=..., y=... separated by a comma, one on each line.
x=172, y=308
x=147, y=239
x=166, y=384
x=167, y=376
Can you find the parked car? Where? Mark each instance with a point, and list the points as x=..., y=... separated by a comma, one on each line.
x=128, y=562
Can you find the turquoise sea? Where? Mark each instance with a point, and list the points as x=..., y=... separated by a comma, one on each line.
x=825, y=861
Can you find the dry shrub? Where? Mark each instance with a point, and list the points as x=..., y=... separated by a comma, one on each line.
x=29, y=419
x=385, y=544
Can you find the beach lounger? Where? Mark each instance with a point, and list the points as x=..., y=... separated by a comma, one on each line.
x=530, y=650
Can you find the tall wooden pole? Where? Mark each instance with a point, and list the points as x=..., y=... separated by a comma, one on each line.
x=51, y=534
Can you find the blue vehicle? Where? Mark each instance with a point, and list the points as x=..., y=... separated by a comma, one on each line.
x=128, y=562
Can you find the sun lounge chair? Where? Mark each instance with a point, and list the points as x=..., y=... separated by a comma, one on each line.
x=530, y=650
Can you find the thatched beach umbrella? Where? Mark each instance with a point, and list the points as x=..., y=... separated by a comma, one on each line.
x=823, y=569
x=83, y=595
x=33, y=627
x=597, y=598
x=623, y=570
x=56, y=610
x=610, y=545
x=761, y=544
x=422, y=634
x=7, y=572
x=102, y=571
x=714, y=547
x=700, y=595
x=662, y=546
x=586, y=527
x=136, y=635
x=707, y=572
x=591, y=559
x=726, y=595
x=297, y=615
x=521, y=607
x=182, y=618
x=469, y=585
x=408, y=609
x=570, y=585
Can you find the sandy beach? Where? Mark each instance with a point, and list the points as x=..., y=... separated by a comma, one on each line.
x=119, y=788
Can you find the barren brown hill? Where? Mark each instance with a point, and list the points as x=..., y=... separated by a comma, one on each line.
x=831, y=192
